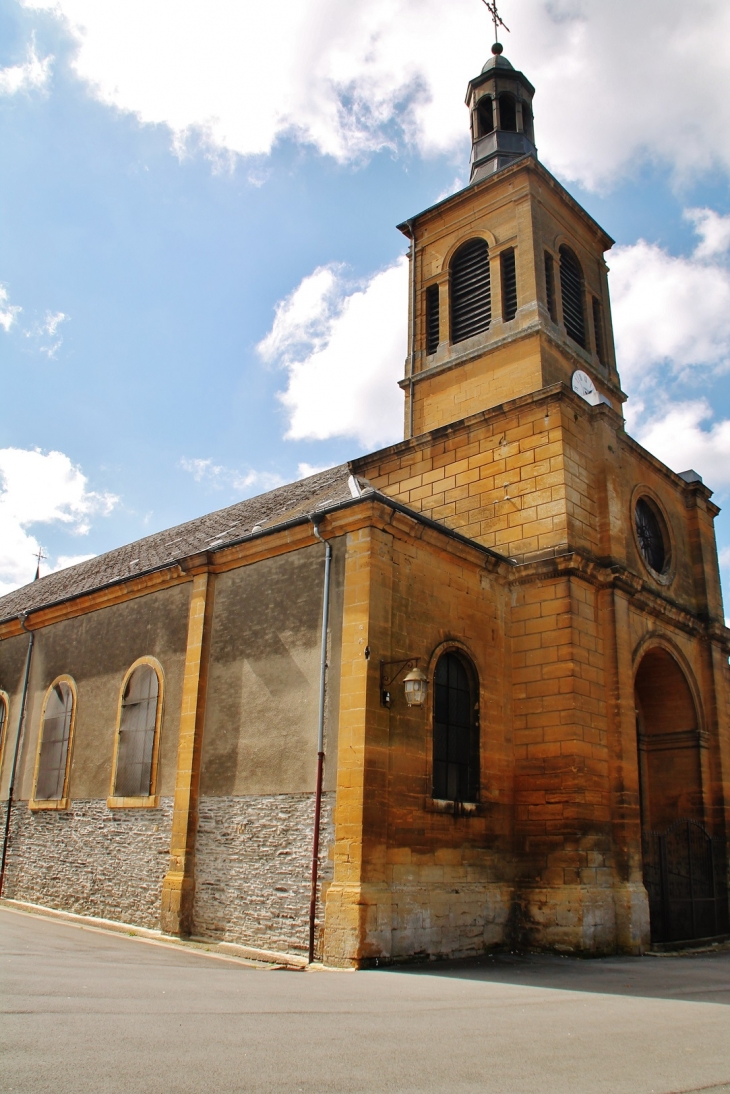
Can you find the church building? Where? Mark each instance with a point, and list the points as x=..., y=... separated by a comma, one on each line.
x=467, y=692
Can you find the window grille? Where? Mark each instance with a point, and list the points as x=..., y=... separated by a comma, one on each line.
x=571, y=290
x=471, y=301
x=550, y=287
x=455, y=732
x=650, y=535
x=485, y=111
x=432, y=318
x=598, y=331
x=507, y=113
x=509, y=285
x=55, y=737
x=137, y=734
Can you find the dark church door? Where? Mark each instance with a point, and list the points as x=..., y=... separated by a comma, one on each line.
x=684, y=866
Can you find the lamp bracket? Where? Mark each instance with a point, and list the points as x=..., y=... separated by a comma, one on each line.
x=388, y=677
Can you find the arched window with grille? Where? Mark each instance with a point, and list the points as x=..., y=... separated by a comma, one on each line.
x=571, y=291
x=50, y=785
x=471, y=300
x=455, y=729
x=137, y=745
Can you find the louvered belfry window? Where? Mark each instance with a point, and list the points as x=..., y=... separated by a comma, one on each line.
x=455, y=732
x=55, y=737
x=571, y=290
x=432, y=318
x=509, y=285
x=471, y=301
x=137, y=734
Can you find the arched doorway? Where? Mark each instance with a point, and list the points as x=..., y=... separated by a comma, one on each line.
x=683, y=865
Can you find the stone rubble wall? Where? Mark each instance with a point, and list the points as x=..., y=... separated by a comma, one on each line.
x=90, y=859
x=253, y=869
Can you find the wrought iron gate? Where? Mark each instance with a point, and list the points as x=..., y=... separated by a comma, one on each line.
x=685, y=873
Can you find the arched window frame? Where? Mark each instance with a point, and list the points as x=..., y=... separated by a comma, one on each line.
x=143, y=801
x=4, y=718
x=62, y=802
x=469, y=664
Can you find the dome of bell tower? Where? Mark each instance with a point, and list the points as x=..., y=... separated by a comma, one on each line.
x=500, y=104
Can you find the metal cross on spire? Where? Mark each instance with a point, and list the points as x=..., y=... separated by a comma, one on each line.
x=497, y=19
x=40, y=556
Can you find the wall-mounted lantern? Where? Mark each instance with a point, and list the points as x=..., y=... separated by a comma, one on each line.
x=416, y=686
x=415, y=682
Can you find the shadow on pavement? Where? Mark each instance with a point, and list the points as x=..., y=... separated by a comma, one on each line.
x=698, y=978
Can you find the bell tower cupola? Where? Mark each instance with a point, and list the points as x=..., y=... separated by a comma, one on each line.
x=500, y=105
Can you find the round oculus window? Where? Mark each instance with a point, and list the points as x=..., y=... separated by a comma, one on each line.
x=651, y=536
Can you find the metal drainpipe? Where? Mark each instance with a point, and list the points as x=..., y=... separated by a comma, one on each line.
x=21, y=727
x=320, y=735
x=412, y=354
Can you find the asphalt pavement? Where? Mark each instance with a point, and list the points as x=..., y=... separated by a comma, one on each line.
x=92, y=1012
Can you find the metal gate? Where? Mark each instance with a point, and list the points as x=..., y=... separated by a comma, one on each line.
x=685, y=874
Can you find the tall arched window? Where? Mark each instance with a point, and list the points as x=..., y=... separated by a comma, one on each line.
x=571, y=289
x=455, y=730
x=471, y=300
x=52, y=763
x=139, y=719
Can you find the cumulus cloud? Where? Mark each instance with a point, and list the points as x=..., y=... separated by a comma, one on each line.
x=342, y=346
x=671, y=313
x=41, y=488
x=8, y=312
x=32, y=74
x=220, y=477
x=351, y=78
x=680, y=436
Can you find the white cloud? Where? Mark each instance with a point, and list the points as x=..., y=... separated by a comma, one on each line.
x=672, y=313
x=713, y=229
x=304, y=470
x=30, y=75
x=350, y=78
x=678, y=437
x=343, y=348
x=8, y=312
x=40, y=488
x=226, y=478
x=46, y=335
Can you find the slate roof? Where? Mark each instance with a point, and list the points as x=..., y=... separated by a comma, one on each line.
x=214, y=530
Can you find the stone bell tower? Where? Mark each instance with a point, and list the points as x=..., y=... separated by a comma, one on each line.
x=515, y=439
x=508, y=281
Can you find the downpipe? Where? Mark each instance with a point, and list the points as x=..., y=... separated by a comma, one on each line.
x=320, y=735
x=16, y=752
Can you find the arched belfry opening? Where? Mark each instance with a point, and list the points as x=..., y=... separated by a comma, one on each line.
x=684, y=869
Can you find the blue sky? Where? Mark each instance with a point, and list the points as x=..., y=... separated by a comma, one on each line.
x=198, y=219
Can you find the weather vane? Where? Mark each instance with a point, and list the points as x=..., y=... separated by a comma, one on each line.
x=497, y=19
x=40, y=556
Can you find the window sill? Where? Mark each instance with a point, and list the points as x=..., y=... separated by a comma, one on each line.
x=56, y=804
x=457, y=809
x=151, y=801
